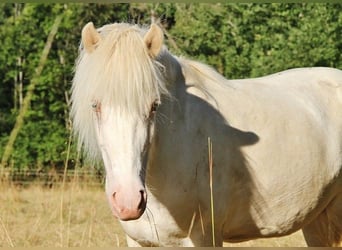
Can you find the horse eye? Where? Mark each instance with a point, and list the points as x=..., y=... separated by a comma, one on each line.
x=96, y=106
x=154, y=107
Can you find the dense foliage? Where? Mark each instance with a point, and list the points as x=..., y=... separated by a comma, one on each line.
x=239, y=40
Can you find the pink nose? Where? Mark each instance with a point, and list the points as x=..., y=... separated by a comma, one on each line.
x=129, y=207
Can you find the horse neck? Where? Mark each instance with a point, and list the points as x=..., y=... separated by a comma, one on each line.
x=170, y=113
x=173, y=71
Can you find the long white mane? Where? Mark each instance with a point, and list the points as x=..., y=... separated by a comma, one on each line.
x=119, y=73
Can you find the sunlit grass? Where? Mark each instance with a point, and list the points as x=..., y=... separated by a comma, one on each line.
x=34, y=216
x=37, y=216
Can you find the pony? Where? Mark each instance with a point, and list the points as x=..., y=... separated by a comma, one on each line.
x=166, y=127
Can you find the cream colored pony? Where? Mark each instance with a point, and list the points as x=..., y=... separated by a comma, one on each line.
x=276, y=143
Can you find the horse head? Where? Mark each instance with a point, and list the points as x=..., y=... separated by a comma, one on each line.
x=116, y=91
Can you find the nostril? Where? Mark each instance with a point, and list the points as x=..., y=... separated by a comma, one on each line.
x=114, y=200
x=142, y=199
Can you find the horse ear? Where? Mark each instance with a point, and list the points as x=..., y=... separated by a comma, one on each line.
x=90, y=37
x=154, y=39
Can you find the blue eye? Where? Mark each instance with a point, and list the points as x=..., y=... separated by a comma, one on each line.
x=96, y=106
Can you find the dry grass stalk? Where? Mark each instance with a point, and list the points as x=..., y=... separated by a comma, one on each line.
x=210, y=156
x=192, y=223
x=62, y=197
x=201, y=219
x=6, y=233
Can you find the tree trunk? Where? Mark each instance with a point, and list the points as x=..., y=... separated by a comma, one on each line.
x=26, y=101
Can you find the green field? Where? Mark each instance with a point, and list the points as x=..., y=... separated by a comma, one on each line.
x=73, y=216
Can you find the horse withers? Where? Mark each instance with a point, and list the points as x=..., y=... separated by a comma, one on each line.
x=276, y=143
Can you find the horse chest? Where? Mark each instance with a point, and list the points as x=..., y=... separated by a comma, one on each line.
x=156, y=227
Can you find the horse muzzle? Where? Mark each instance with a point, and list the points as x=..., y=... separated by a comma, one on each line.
x=128, y=206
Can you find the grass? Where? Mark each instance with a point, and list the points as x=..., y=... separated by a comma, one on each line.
x=294, y=240
x=75, y=216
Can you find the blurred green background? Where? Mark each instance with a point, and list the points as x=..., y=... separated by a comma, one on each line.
x=239, y=40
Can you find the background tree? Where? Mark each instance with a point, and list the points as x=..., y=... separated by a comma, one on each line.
x=248, y=40
x=239, y=40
